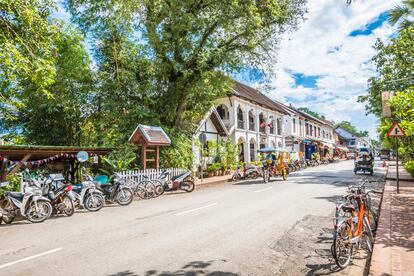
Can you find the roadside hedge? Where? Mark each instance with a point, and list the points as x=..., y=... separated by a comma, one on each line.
x=409, y=166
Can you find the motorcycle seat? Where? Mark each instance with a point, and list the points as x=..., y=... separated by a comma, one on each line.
x=178, y=176
x=16, y=195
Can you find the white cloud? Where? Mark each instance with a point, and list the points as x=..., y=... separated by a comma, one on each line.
x=322, y=47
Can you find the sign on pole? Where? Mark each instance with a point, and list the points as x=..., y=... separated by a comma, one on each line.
x=396, y=131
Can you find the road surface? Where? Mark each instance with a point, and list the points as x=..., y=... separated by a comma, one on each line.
x=244, y=228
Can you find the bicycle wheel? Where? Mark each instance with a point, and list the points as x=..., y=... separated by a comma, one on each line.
x=342, y=248
x=140, y=190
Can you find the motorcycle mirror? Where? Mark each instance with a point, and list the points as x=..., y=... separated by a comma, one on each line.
x=82, y=156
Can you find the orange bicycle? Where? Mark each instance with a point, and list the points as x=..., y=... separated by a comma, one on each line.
x=353, y=227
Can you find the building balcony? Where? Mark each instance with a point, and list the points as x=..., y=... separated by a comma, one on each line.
x=252, y=127
x=240, y=124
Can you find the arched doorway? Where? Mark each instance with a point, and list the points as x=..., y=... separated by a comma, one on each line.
x=262, y=123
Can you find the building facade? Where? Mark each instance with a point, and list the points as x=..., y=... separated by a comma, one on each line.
x=247, y=117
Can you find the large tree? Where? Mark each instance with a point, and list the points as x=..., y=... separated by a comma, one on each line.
x=394, y=67
x=27, y=53
x=189, y=45
x=61, y=119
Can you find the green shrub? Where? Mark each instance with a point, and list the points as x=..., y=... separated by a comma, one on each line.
x=14, y=184
x=409, y=166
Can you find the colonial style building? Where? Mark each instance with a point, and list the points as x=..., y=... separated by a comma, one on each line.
x=247, y=117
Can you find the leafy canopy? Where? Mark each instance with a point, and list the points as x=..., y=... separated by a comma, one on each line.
x=26, y=51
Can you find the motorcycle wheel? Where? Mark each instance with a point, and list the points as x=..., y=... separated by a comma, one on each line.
x=69, y=206
x=124, y=196
x=45, y=210
x=159, y=188
x=187, y=185
x=254, y=175
x=94, y=202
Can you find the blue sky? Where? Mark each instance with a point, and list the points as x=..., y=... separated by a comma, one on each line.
x=325, y=64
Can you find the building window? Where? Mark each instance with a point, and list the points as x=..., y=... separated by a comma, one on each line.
x=251, y=121
x=314, y=131
x=300, y=128
x=279, y=127
x=294, y=125
x=306, y=128
x=223, y=111
x=319, y=132
x=272, y=127
x=240, y=118
x=262, y=123
x=323, y=133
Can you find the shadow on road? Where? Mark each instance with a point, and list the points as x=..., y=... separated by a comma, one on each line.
x=191, y=269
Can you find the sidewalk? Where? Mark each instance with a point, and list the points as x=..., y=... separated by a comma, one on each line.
x=213, y=179
x=394, y=243
x=392, y=172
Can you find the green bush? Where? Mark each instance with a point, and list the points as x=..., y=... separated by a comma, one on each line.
x=180, y=153
x=409, y=166
x=14, y=184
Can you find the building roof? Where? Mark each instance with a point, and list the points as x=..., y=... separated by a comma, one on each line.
x=216, y=120
x=150, y=135
x=249, y=93
x=18, y=152
x=344, y=133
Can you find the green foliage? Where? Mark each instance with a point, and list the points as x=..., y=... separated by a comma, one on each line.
x=180, y=153
x=59, y=120
x=409, y=166
x=394, y=67
x=184, y=47
x=403, y=108
x=14, y=184
x=121, y=159
x=27, y=52
x=310, y=112
x=402, y=14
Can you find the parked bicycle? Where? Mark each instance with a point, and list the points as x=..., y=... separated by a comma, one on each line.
x=354, y=224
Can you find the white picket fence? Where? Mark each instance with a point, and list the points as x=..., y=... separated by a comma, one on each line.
x=138, y=175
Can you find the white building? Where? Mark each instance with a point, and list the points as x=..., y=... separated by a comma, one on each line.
x=248, y=118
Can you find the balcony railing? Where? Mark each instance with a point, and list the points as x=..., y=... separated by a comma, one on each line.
x=240, y=124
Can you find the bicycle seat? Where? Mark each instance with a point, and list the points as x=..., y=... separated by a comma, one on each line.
x=348, y=208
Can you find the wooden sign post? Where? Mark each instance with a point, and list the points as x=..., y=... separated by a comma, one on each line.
x=396, y=132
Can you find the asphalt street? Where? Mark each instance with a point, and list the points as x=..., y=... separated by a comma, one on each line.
x=223, y=229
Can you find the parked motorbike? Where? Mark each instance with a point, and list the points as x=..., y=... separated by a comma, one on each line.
x=87, y=196
x=117, y=191
x=164, y=183
x=30, y=204
x=62, y=198
x=251, y=172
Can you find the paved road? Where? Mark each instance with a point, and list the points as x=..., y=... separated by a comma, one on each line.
x=228, y=229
